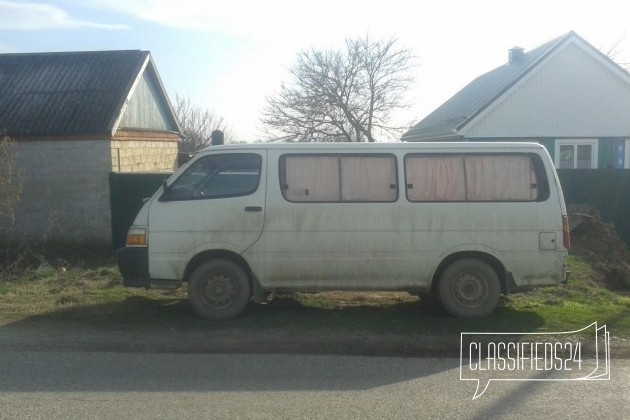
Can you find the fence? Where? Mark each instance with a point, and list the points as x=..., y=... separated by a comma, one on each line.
x=606, y=189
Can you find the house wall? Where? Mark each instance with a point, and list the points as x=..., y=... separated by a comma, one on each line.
x=135, y=154
x=65, y=190
x=605, y=147
x=548, y=143
x=574, y=94
x=65, y=184
x=144, y=109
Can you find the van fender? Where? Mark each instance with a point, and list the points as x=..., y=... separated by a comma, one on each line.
x=225, y=246
x=205, y=252
x=179, y=265
x=484, y=253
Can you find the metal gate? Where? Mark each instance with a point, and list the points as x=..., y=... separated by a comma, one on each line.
x=127, y=192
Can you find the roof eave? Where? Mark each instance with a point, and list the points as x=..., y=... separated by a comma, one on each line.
x=434, y=136
x=148, y=63
x=124, y=100
x=167, y=100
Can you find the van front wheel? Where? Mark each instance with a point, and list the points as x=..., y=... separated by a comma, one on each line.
x=219, y=289
x=469, y=288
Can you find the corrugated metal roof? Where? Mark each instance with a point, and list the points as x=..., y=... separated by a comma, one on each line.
x=480, y=93
x=66, y=93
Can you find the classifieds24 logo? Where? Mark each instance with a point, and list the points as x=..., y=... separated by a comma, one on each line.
x=578, y=355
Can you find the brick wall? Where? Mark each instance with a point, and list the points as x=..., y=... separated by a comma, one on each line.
x=65, y=190
x=143, y=156
x=65, y=184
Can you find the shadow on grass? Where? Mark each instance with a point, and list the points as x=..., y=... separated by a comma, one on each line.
x=408, y=317
x=284, y=325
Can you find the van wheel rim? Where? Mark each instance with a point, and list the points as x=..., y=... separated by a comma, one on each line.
x=470, y=290
x=219, y=291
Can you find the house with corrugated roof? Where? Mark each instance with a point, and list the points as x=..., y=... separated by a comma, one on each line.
x=564, y=94
x=76, y=117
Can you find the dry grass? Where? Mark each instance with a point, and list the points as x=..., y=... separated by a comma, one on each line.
x=46, y=290
x=96, y=296
x=353, y=299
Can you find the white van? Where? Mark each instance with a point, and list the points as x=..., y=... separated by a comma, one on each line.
x=465, y=221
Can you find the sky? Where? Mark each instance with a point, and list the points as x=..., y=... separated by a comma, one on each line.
x=228, y=56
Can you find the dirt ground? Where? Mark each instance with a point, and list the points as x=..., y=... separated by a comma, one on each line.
x=599, y=244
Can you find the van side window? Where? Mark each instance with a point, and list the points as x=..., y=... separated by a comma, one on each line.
x=338, y=178
x=217, y=176
x=475, y=177
x=500, y=178
x=435, y=178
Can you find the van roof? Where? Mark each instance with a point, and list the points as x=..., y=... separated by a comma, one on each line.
x=462, y=146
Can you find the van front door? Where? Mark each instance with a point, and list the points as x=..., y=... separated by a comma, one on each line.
x=217, y=203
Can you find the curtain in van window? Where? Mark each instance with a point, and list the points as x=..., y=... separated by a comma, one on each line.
x=500, y=178
x=435, y=178
x=368, y=178
x=311, y=178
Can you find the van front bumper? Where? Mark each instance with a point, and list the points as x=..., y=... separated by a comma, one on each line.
x=133, y=263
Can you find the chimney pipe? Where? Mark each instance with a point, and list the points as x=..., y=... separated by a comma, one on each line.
x=217, y=138
x=515, y=55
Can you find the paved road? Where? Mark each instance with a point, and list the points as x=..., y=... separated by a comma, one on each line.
x=112, y=385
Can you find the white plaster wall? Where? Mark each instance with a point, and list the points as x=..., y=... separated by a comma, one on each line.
x=573, y=94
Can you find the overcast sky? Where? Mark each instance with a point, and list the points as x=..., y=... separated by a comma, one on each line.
x=228, y=55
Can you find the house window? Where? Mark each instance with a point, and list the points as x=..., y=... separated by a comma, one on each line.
x=576, y=154
x=627, y=159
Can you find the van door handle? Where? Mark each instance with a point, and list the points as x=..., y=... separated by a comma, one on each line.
x=253, y=208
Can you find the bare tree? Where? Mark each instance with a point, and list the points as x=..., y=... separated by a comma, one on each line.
x=345, y=95
x=197, y=125
x=614, y=53
x=10, y=192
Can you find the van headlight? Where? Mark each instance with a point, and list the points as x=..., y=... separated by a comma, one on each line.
x=137, y=236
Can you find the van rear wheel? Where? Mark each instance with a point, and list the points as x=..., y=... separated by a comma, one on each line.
x=469, y=288
x=219, y=289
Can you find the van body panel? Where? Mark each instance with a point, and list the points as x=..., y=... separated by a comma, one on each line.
x=393, y=245
x=397, y=245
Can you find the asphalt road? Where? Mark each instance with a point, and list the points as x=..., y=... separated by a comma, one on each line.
x=85, y=385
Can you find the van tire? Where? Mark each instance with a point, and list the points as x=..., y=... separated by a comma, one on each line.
x=469, y=288
x=219, y=289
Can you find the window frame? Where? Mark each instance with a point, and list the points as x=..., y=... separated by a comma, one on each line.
x=165, y=197
x=593, y=142
x=542, y=181
x=339, y=156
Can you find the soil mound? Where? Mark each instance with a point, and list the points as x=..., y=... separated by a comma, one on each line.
x=599, y=244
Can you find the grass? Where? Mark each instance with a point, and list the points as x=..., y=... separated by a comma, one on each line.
x=577, y=304
x=96, y=297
